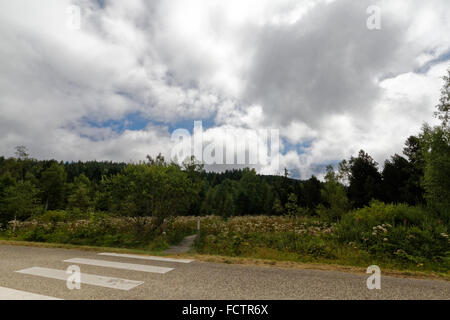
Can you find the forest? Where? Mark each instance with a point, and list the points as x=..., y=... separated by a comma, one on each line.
x=155, y=187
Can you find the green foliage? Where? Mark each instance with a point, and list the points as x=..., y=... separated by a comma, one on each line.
x=334, y=197
x=291, y=207
x=254, y=235
x=53, y=216
x=100, y=230
x=156, y=189
x=310, y=193
x=437, y=169
x=277, y=207
x=220, y=200
x=80, y=195
x=364, y=178
x=397, y=232
x=255, y=196
x=19, y=201
x=443, y=107
x=400, y=183
x=53, y=186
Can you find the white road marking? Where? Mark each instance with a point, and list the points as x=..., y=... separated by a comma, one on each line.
x=136, y=256
x=12, y=294
x=92, y=279
x=120, y=265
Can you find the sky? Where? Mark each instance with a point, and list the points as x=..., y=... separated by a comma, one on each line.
x=117, y=85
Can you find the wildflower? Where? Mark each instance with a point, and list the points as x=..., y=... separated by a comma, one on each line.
x=385, y=239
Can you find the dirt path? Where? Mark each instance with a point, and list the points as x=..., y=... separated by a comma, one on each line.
x=184, y=246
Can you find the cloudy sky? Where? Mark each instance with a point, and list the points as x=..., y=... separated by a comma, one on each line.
x=117, y=87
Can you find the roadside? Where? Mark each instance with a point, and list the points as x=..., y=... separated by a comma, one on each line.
x=115, y=276
x=242, y=260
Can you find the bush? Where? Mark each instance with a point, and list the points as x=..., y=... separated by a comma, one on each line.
x=411, y=234
x=101, y=229
x=53, y=216
x=249, y=235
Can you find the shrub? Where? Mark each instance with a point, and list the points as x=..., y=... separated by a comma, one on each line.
x=401, y=232
x=53, y=216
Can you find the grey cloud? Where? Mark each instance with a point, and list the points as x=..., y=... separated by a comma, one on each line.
x=326, y=63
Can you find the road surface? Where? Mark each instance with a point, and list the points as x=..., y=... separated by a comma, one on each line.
x=40, y=273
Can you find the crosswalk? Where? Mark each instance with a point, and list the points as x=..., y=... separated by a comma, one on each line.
x=12, y=294
x=119, y=265
x=135, y=256
x=94, y=279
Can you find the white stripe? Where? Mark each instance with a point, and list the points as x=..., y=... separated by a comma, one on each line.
x=92, y=279
x=120, y=265
x=12, y=294
x=136, y=256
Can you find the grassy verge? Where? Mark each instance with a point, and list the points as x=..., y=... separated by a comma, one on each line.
x=79, y=247
x=244, y=261
x=357, y=263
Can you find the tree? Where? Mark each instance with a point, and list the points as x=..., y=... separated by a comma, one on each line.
x=221, y=199
x=334, y=196
x=195, y=172
x=437, y=169
x=154, y=189
x=22, y=152
x=344, y=172
x=444, y=102
x=6, y=181
x=52, y=184
x=277, y=208
x=291, y=206
x=414, y=151
x=365, y=180
x=255, y=196
x=20, y=201
x=224, y=198
x=311, y=193
x=397, y=186
x=158, y=161
x=435, y=146
x=80, y=197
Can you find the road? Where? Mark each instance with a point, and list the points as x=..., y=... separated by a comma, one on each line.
x=40, y=273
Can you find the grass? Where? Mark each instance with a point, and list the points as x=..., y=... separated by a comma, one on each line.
x=79, y=247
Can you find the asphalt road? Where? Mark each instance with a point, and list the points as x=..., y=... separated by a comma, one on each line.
x=151, y=279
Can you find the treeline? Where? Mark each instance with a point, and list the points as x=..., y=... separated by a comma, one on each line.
x=29, y=187
x=155, y=187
